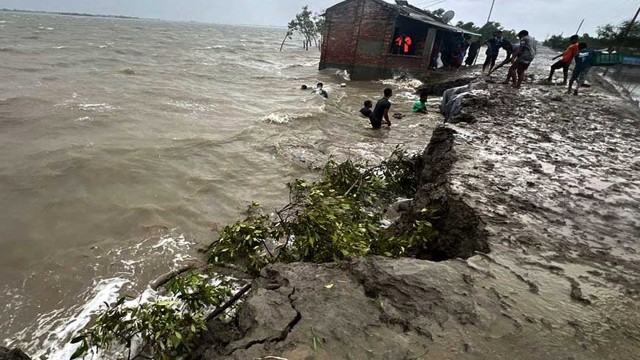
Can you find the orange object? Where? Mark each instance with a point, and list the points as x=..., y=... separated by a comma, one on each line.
x=404, y=43
x=407, y=44
x=571, y=52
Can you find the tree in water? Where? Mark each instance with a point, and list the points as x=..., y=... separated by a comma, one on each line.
x=307, y=24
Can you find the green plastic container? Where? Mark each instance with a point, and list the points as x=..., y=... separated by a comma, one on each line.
x=605, y=59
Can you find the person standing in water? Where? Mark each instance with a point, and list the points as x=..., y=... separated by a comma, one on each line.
x=381, y=111
x=366, y=110
x=420, y=106
x=320, y=91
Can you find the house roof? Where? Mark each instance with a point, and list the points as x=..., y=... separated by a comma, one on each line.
x=417, y=14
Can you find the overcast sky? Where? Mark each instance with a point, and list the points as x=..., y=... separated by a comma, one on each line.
x=540, y=17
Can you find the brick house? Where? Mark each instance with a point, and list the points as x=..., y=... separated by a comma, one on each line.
x=360, y=36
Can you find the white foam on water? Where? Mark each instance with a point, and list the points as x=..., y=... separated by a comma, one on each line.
x=49, y=337
x=83, y=119
x=103, y=107
x=57, y=329
x=277, y=118
x=284, y=118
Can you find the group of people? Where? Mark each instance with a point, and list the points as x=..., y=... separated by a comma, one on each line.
x=380, y=113
x=318, y=90
x=582, y=55
x=521, y=55
x=452, y=51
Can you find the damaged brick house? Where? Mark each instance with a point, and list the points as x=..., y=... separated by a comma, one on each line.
x=359, y=37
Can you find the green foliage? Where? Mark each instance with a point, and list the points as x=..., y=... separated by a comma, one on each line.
x=247, y=241
x=165, y=328
x=409, y=240
x=329, y=224
x=332, y=219
x=307, y=24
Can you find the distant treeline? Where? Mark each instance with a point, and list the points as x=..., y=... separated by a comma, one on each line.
x=610, y=37
x=70, y=14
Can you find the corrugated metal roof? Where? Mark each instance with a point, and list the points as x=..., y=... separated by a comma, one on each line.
x=436, y=23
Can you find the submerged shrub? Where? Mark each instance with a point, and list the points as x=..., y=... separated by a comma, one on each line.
x=332, y=219
x=164, y=329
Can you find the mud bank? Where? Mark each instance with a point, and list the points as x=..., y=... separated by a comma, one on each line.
x=540, y=221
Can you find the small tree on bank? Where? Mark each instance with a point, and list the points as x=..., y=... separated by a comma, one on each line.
x=308, y=24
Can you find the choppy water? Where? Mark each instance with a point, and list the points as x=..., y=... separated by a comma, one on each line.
x=124, y=142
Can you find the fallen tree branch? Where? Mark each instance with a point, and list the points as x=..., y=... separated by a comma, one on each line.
x=229, y=303
x=164, y=279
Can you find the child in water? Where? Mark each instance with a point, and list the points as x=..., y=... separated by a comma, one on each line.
x=320, y=91
x=420, y=106
x=366, y=110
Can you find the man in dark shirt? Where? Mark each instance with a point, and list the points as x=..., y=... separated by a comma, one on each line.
x=511, y=50
x=583, y=65
x=381, y=111
x=494, y=44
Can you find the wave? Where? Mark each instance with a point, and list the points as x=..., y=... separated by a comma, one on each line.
x=103, y=107
x=284, y=118
x=49, y=336
x=214, y=47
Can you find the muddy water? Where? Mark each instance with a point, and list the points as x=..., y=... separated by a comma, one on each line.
x=124, y=142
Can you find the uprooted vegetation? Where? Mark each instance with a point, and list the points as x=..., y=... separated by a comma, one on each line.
x=337, y=217
x=343, y=215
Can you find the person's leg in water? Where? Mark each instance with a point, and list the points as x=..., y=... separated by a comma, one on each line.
x=511, y=74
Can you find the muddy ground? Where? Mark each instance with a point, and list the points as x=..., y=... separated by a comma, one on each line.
x=550, y=186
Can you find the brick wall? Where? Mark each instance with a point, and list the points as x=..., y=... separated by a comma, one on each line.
x=340, y=36
x=358, y=37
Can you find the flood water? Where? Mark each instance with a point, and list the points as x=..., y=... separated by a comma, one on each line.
x=124, y=142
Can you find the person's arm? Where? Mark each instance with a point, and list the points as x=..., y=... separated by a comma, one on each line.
x=557, y=56
x=386, y=116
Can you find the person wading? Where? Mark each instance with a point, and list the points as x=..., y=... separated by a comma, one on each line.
x=381, y=111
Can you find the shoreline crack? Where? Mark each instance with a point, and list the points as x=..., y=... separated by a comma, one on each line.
x=283, y=335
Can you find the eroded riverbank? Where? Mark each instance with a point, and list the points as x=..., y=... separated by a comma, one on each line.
x=554, y=180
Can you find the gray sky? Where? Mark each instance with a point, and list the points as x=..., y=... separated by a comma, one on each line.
x=540, y=17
